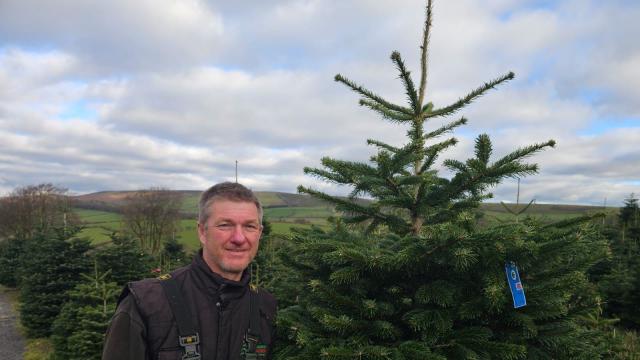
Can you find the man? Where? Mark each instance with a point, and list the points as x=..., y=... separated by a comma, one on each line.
x=205, y=310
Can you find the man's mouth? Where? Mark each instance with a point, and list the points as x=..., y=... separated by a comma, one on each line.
x=237, y=250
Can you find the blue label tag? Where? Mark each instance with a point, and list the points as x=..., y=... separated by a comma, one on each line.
x=517, y=291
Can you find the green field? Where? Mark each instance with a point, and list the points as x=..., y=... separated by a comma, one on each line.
x=98, y=225
x=188, y=234
x=495, y=212
x=190, y=203
x=267, y=198
x=299, y=215
x=284, y=211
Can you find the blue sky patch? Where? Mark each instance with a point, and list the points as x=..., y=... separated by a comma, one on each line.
x=78, y=110
x=602, y=125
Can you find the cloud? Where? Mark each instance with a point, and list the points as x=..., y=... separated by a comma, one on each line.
x=117, y=36
x=125, y=95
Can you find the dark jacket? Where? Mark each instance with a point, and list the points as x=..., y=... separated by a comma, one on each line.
x=143, y=327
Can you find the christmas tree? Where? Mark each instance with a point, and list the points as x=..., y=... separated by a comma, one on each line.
x=125, y=260
x=78, y=331
x=410, y=275
x=52, y=264
x=620, y=278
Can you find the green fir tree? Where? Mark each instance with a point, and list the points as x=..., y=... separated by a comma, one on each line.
x=79, y=330
x=620, y=283
x=52, y=264
x=125, y=260
x=409, y=275
x=630, y=212
x=268, y=270
x=11, y=251
x=173, y=255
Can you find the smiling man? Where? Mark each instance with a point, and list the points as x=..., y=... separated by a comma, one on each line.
x=205, y=310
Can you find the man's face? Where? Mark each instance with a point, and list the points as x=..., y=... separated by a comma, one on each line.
x=230, y=237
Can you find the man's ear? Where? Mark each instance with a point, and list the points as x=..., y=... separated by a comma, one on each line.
x=202, y=233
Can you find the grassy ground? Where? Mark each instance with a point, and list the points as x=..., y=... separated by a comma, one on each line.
x=12, y=294
x=630, y=346
x=38, y=349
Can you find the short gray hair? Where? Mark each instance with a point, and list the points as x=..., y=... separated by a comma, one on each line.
x=225, y=191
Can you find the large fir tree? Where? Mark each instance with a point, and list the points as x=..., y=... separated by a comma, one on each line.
x=409, y=275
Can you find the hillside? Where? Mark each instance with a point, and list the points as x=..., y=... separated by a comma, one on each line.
x=112, y=200
x=100, y=212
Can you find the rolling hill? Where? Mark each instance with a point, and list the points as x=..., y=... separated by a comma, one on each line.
x=100, y=212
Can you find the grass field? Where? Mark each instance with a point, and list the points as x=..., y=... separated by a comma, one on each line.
x=299, y=215
x=285, y=211
x=188, y=234
x=98, y=225
x=190, y=203
x=545, y=212
x=267, y=198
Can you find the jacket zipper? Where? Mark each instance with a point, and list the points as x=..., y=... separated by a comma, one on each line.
x=219, y=306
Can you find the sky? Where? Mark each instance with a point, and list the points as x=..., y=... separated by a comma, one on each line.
x=126, y=95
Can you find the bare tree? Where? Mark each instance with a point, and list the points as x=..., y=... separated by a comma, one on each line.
x=35, y=208
x=152, y=216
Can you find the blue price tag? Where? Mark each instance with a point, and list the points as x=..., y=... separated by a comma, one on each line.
x=517, y=291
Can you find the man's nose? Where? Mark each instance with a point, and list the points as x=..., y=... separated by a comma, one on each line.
x=238, y=234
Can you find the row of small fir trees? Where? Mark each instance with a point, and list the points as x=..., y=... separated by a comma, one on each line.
x=69, y=288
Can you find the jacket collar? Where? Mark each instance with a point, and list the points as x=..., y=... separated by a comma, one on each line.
x=213, y=282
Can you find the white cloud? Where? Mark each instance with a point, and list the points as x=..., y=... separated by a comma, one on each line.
x=117, y=36
x=178, y=91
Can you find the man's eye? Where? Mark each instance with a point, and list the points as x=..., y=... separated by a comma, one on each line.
x=251, y=227
x=224, y=226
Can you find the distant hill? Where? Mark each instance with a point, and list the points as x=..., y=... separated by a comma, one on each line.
x=100, y=212
x=113, y=200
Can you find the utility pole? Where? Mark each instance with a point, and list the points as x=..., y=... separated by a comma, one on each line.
x=236, y=171
x=604, y=211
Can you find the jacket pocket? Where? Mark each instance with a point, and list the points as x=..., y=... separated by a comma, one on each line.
x=163, y=337
x=170, y=354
